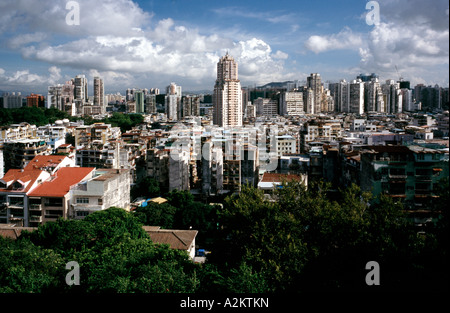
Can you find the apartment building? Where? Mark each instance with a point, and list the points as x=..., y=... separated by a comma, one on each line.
x=14, y=187
x=410, y=174
x=18, y=153
x=50, y=200
x=107, y=188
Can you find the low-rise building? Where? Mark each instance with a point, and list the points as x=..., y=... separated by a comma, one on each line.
x=107, y=188
x=50, y=200
x=14, y=187
x=176, y=239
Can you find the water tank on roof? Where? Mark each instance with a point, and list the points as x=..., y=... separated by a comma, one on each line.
x=58, y=122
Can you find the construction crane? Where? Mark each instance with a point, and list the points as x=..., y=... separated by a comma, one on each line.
x=400, y=78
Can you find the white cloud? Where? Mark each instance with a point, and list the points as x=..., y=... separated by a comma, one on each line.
x=124, y=45
x=345, y=39
x=21, y=78
x=412, y=35
x=412, y=49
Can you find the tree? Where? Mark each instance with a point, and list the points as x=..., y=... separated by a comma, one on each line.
x=28, y=268
x=147, y=187
x=263, y=235
x=156, y=214
x=113, y=251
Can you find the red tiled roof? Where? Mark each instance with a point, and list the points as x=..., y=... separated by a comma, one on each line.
x=40, y=161
x=22, y=175
x=60, y=185
x=276, y=177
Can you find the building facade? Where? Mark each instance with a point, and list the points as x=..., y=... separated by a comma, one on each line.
x=227, y=98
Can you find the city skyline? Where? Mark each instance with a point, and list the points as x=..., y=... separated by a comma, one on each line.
x=149, y=44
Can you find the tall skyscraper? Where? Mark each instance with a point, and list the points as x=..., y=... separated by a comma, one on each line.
x=227, y=98
x=139, y=99
x=173, y=102
x=315, y=83
x=356, y=102
x=99, y=92
x=373, y=96
x=81, y=88
x=80, y=93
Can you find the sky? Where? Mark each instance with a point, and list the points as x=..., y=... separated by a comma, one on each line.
x=149, y=44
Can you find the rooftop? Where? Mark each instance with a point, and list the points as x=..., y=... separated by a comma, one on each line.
x=62, y=181
x=26, y=178
x=41, y=161
x=176, y=239
x=10, y=231
x=276, y=177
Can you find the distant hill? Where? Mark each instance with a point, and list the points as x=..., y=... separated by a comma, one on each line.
x=198, y=92
x=276, y=84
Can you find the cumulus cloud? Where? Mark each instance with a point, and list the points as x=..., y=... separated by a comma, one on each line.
x=118, y=17
x=120, y=41
x=412, y=35
x=20, y=78
x=345, y=39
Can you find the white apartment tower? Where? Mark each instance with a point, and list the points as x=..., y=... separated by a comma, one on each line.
x=173, y=101
x=227, y=98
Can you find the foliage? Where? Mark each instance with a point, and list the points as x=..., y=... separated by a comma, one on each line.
x=114, y=253
x=155, y=214
x=124, y=121
x=146, y=187
x=33, y=115
x=43, y=116
x=28, y=268
x=305, y=241
x=300, y=240
x=181, y=212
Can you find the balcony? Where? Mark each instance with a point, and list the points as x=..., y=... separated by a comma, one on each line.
x=424, y=178
x=423, y=192
x=35, y=218
x=16, y=205
x=35, y=207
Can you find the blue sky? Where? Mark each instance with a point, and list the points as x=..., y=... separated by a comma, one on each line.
x=148, y=44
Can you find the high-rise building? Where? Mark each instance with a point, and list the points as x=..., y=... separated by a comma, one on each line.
x=356, y=103
x=342, y=96
x=80, y=93
x=12, y=100
x=227, y=98
x=173, y=101
x=291, y=103
x=191, y=106
x=150, y=103
x=99, y=92
x=373, y=96
x=315, y=83
x=35, y=100
x=54, y=96
x=268, y=107
x=81, y=88
x=392, y=96
x=139, y=98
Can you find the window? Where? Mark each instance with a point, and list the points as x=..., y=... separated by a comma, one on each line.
x=82, y=213
x=83, y=200
x=397, y=171
x=100, y=201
